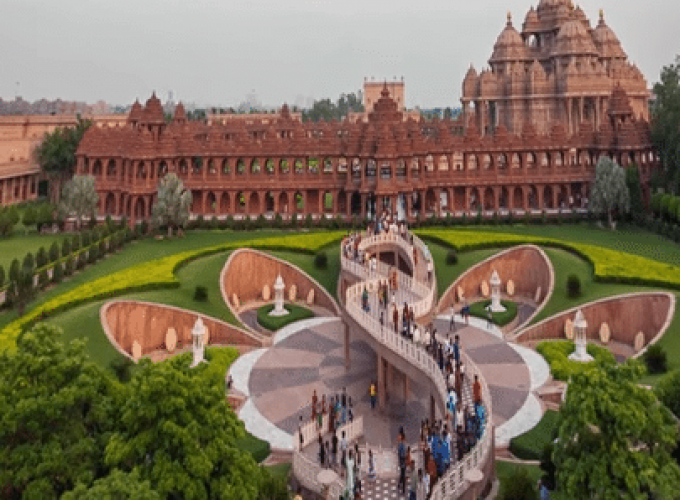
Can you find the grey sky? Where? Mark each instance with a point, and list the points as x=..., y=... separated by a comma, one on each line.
x=217, y=51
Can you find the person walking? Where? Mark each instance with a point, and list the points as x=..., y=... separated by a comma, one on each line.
x=334, y=449
x=489, y=318
x=322, y=451
x=373, y=392
x=452, y=322
x=401, y=456
x=395, y=318
x=371, y=466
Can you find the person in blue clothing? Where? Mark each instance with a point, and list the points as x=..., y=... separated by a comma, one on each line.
x=543, y=491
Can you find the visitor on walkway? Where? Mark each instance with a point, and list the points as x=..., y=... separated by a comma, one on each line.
x=373, y=392
x=456, y=349
x=489, y=318
x=334, y=449
x=423, y=485
x=349, y=468
x=452, y=321
x=315, y=400
x=401, y=456
x=331, y=415
x=413, y=486
x=371, y=465
x=322, y=451
x=477, y=391
x=543, y=492
x=395, y=319
x=343, y=449
x=302, y=438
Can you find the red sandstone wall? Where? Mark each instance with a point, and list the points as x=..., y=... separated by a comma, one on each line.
x=525, y=265
x=649, y=313
x=248, y=271
x=148, y=323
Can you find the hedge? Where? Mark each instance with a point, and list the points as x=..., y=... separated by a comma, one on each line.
x=155, y=274
x=274, y=323
x=557, y=353
x=608, y=265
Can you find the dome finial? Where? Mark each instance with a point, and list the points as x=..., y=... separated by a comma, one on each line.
x=509, y=18
x=601, y=14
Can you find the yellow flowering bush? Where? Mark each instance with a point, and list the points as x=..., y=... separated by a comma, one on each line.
x=159, y=273
x=608, y=265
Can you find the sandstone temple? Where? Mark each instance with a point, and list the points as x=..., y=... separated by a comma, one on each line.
x=557, y=97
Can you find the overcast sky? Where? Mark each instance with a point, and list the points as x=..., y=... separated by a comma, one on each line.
x=218, y=51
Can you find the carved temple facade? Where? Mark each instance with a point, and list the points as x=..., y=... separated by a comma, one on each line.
x=537, y=150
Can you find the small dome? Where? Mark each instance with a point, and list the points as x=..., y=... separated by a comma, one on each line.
x=180, y=113
x=153, y=112
x=136, y=112
x=573, y=38
x=531, y=22
x=606, y=41
x=470, y=83
x=509, y=46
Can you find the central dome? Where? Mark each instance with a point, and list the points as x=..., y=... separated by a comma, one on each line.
x=574, y=39
x=509, y=46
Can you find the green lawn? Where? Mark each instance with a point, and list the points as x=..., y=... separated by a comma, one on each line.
x=530, y=445
x=504, y=472
x=18, y=245
x=274, y=323
x=446, y=274
x=629, y=239
x=478, y=309
x=328, y=277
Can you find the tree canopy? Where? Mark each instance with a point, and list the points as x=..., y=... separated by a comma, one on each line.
x=615, y=439
x=56, y=154
x=69, y=429
x=172, y=206
x=665, y=120
x=79, y=198
x=327, y=110
x=610, y=191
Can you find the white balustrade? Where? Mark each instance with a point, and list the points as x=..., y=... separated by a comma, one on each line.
x=452, y=484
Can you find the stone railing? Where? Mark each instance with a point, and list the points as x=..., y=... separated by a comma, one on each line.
x=454, y=481
x=306, y=470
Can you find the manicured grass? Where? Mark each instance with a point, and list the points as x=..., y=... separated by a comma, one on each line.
x=281, y=471
x=447, y=274
x=274, y=323
x=565, y=263
x=478, y=309
x=17, y=246
x=504, y=472
x=556, y=353
x=328, y=277
x=629, y=239
x=258, y=448
x=530, y=445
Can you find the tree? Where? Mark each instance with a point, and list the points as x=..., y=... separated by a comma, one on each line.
x=2, y=276
x=9, y=217
x=30, y=216
x=21, y=291
x=175, y=428
x=53, y=416
x=79, y=198
x=665, y=119
x=609, y=192
x=54, y=252
x=637, y=206
x=56, y=154
x=116, y=485
x=615, y=438
x=45, y=215
x=173, y=204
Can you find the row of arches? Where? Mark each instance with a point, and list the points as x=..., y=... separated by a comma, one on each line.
x=348, y=203
x=358, y=167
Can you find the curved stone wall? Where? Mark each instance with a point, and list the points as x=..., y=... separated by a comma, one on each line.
x=126, y=321
x=247, y=271
x=626, y=315
x=528, y=266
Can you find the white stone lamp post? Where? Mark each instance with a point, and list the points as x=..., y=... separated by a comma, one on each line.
x=279, y=286
x=198, y=334
x=495, y=282
x=580, y=340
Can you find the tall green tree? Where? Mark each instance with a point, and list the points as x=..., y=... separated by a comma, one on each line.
x=173, y=204
x=175, y=428
x=615, y=438
x=609, y=192
x=637, y=205
x=79, y=198
x=665, y=120
x=56, y=154
x=53, y=416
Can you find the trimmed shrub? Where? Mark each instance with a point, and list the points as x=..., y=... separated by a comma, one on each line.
x=54, y=252
x=102, y=248
x=41, y=257
x=655, y=359
x=14, y=269
x=557, y=354
x=66, y=247
x=57, y=273
x=75, y=243
x=668, y=391
x=93, y=254
x=531, y=445
x=109, y=222
x=2, y=276
x=43, y=279
x=30, y=216
x=309, y=221
x=69, y=266
x=294, y=220
x=665, y=205
x=29, y=262
x=199, y=222
x=261, y=221
x=82, y=260
x=201, y=294
x=573, y=286
x=86, y=239
x=451, y=257
x=321, y=260
x=274, y=323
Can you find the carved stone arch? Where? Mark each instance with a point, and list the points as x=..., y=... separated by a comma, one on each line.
x=489, y=199
x=518, y=198
x=111, y=168
x=97, y=168
x=225, y=205
x=472, y=162
x=254, y=203
x=516, y=162
x=210, y=203
x=110, y=204
x=548, y=194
